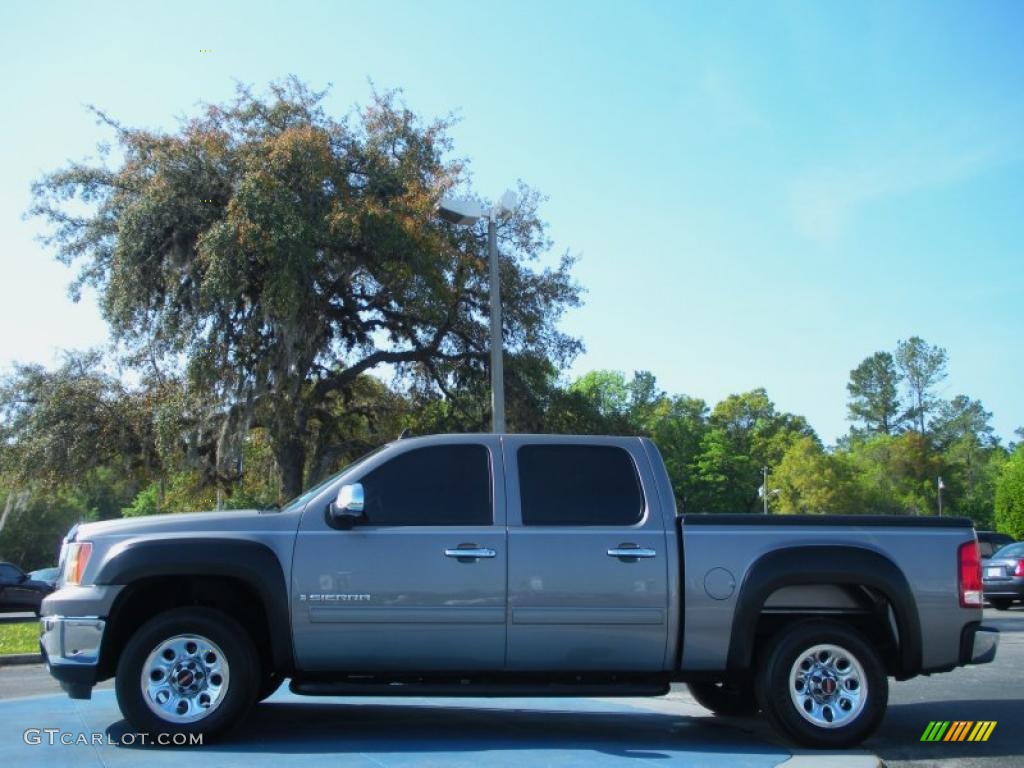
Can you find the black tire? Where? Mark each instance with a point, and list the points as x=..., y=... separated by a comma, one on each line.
x=1001, y=603
x=269, y=684
x=240, y=688
x=734, y=700
x=780, y=660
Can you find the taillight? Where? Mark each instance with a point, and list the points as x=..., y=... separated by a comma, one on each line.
x=970, y=575
x=1019, y=570
x=78, y=558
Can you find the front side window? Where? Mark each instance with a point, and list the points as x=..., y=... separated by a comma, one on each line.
x=439, y=485
x=9, y=574
x=579, y=485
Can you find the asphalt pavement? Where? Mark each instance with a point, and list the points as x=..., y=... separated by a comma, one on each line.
x=986, y=692
x=673, y=730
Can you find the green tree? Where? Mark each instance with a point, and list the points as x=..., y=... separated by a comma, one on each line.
x=644, y=399
x=1009, y=515
x=283, y=253
x=896, y=473
x=745, y=433
x=971, y=457
x=608, y=391
x=962, y=418
x=922, y=366
x=810, y=480
x=63, y=425
x=33, y=522
x=874, y=394
x=678, y=426
x=616, y=405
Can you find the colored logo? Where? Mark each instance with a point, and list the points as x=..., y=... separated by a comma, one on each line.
x=958, y=730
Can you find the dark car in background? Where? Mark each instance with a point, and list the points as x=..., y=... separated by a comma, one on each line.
x=48, y=575
x=990, y=541
x=20, y=593
x=1002, y=576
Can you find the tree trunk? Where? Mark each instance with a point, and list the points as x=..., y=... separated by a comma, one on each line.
x=291, y=462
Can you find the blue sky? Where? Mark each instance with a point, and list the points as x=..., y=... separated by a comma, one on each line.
x=762, y=194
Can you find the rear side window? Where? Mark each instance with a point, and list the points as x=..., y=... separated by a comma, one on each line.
x=440, y=485
x=1010, y=550
x=578, y=485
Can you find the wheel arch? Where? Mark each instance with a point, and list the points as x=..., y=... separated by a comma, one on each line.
x=831, y=567
x=242, y=577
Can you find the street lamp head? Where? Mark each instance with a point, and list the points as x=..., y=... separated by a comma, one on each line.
x=507, y=204
x=460, y=210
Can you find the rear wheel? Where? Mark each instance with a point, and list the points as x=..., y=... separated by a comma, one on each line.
x=823, y=685
x=1001, y=603
x=736, y=699
x=188, y=671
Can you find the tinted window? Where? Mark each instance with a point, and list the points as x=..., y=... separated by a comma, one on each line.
x=9, y=574
x=578, y=485
x=441, y=485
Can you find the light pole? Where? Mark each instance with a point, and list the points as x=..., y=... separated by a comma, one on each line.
x=468, y=212
x=763, y=491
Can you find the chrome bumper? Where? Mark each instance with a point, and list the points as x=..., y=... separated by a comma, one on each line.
x=70, y=640
x=984, y=645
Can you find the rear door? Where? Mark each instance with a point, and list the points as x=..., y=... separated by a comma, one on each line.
x=588, y=578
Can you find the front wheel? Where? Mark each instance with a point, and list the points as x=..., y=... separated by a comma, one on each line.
x=187, y=671
x=823, y=685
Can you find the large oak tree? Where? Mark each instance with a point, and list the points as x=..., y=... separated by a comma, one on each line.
x=271, y=254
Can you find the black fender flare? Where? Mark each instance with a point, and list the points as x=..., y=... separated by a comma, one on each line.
x=250, y=562
x=826, y=564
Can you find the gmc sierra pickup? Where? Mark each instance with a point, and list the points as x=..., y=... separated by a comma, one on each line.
x=508, y=565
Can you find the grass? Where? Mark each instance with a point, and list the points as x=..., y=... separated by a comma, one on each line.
x=19, y=638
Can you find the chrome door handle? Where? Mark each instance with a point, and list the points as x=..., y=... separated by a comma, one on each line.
x=470, y=552
x=631, y=552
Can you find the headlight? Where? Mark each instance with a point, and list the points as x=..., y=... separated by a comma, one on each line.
x=77, y=558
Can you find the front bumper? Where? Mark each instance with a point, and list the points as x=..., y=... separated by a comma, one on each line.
x=70, y=646
x=978, y=645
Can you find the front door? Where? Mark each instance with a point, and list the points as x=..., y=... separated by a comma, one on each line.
x=419, y=584
x=588, y=565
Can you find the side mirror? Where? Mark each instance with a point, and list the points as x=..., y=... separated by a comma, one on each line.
x=347, y=508
x=22, y=578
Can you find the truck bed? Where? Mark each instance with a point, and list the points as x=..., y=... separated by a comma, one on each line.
x=731, y=561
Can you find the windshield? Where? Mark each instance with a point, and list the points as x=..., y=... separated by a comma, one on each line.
x=299, y=501
x=1010, y=550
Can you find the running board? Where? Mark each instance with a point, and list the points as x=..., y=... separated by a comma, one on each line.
x=484, y=688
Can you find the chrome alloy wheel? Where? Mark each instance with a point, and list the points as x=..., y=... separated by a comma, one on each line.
x=185, y=678
x=828, y=686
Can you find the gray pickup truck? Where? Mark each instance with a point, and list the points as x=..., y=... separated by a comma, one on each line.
x=509, y=565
